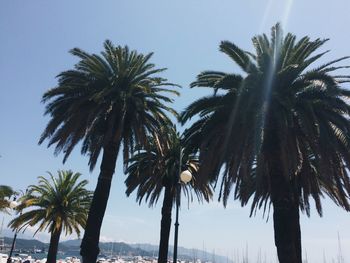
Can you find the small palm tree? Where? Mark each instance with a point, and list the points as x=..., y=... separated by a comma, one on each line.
x=61, y=204
x=281, y=131
x=5, y=193
x=157, y=168
x=107, y=101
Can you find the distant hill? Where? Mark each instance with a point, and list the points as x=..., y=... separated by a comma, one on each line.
x=27, y=244
x=107, y=248
x=187, y=253
x=72, y=242
x=72, y=247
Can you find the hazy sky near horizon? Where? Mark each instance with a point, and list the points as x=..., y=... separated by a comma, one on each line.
x=35, y=39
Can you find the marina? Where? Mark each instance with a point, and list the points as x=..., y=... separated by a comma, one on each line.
x=25, y=258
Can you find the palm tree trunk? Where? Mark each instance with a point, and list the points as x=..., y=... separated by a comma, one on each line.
x=286, y=221
x=89, y=249
x=286, y=231
x=53, y=247
x=285, y=204
x=297, y=232
x=165, y=224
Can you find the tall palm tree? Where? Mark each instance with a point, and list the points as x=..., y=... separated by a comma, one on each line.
x=5, y=193
x=280, y=131
x=152, y=170
x=61, y=204
x=107, y=100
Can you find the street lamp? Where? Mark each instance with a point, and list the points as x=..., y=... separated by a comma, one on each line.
x=13, y=205
x=184, y=177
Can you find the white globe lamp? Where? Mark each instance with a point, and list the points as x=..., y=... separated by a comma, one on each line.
x=186, y=176
x=13, y=204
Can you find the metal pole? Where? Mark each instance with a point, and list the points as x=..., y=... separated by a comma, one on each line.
x=178, y=196
x=9, y=260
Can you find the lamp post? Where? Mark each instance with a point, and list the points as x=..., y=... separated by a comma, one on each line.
x=13, y=205
x=185, y=177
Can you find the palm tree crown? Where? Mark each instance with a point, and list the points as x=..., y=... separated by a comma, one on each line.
x=5, y=193
x=60, y=204
x=157, y=166
x=280, y=130
x=305, y=108
x=114, y=96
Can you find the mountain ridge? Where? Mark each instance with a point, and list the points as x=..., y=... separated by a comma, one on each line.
x=72, y=247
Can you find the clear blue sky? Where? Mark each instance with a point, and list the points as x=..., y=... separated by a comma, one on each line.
x=35, y=37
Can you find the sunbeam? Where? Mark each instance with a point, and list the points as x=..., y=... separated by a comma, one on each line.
x=284, y=12
x=270, y=74
x=265, y=16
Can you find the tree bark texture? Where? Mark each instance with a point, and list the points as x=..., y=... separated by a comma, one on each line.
x=53, y=247
x=89, y=248
x=165, y=224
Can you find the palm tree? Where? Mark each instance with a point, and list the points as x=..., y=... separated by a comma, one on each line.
x=106, y=100
x=5, y=193
x=152, y=170
x=280, y=131
x=61, y=204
